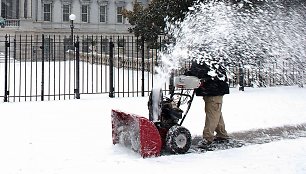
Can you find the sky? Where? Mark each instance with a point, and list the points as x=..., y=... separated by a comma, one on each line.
x=74, y=136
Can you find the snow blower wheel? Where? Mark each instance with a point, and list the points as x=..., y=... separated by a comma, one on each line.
x=178, y=140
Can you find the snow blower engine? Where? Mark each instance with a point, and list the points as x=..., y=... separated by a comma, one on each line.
x=163, y=131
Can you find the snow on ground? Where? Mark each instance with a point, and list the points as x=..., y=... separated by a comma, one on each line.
x=74, y=136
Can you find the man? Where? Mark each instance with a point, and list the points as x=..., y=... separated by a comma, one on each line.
x=212, y=88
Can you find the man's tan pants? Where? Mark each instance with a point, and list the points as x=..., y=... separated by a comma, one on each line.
x=214, y=120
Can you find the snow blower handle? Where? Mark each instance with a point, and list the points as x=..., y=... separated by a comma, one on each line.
x=188, y=107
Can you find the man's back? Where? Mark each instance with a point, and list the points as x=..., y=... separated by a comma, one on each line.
x=211, y=85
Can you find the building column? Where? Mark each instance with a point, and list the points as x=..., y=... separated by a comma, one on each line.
x=0, y=7
x=21, y=9
x=29, y=9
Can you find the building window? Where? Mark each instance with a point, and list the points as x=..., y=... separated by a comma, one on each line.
x=105, y=45
x=121, y=42
x=48, y=49
x=47, y=12
x=84, y=13
x=66, y=13
x=119, y=15
x=103, y=13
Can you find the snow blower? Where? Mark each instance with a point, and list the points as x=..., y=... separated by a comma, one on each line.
x=162, y=132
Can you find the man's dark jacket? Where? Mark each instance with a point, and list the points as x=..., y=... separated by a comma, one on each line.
x=210, y=86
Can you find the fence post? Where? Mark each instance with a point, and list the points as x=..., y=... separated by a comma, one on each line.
x=6, y=92
x=143, y=65
x=77, y=69
x=111, y=68
x=42, y=67
x=241, y=77
x=171, y=83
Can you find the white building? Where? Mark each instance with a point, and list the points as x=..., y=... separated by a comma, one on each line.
x=52, y=16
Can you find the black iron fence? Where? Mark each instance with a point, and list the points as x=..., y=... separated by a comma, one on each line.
x=37, y=68
x=45, y=67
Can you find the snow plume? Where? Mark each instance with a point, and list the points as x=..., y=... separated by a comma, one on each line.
x=205, y=33
x=170, y=60
x=256, y=35
x=191, y=38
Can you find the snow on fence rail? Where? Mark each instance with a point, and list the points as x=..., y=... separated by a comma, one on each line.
x=120, y=61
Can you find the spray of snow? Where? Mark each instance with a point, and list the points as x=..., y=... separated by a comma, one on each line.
x=221, y=33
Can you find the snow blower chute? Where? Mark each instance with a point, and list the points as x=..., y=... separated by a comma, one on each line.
x=162, y=131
